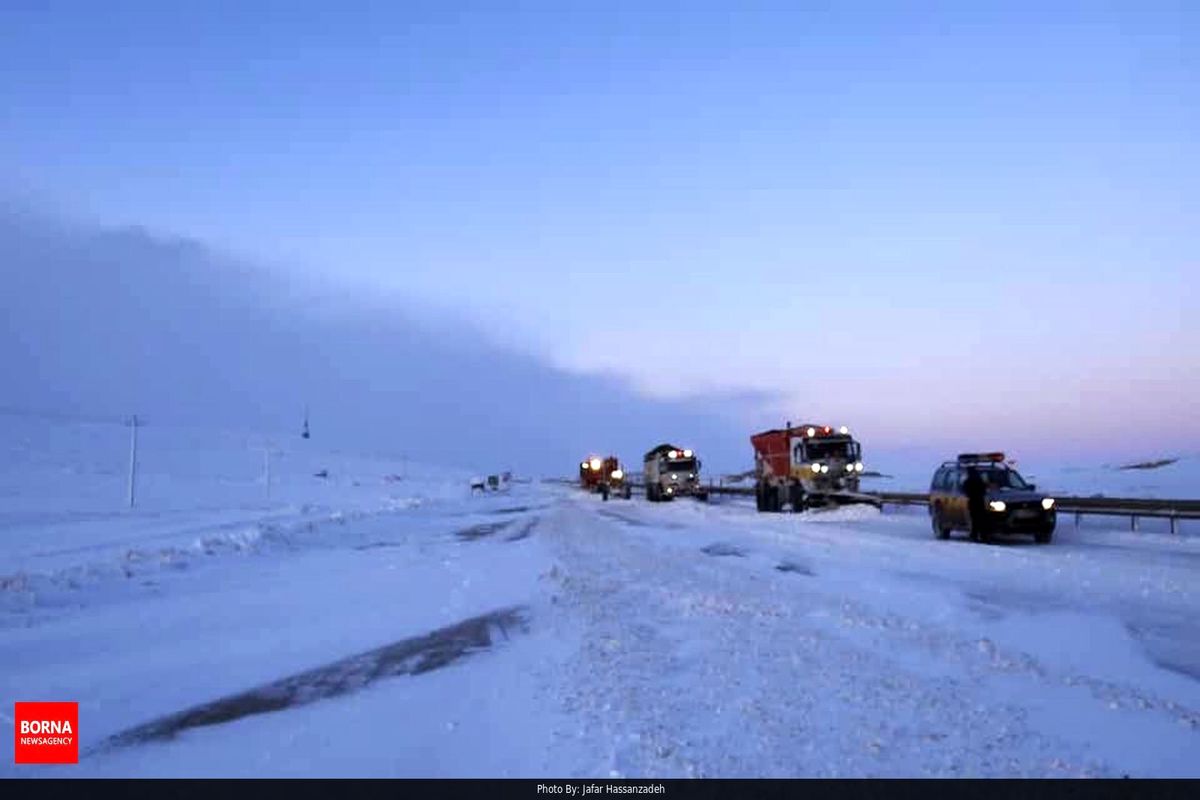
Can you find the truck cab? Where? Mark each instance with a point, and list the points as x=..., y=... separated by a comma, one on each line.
x=604, y=475
x=807, y=464
x=671, y=471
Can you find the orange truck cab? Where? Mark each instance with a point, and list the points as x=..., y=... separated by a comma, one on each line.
x=807, y=464
x=604, y=475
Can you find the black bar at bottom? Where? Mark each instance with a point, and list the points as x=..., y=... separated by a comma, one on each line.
x=596, y=789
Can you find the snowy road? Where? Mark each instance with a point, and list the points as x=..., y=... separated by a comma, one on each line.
x=664, y=640
x=726, y=643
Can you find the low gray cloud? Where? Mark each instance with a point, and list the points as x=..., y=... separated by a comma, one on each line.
x=100, y=323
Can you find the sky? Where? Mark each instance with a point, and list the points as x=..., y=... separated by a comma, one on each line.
x=948, y=223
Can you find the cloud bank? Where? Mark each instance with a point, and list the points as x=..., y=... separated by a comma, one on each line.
x=104, y=323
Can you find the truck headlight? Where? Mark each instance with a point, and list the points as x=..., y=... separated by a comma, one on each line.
x=816, y=467
x=687, y=453
x=1048, y=503
x=849, y=468
x=997, y=505
x=858, y=466
x=595, y=464
x=674, y=477
x=617, y=474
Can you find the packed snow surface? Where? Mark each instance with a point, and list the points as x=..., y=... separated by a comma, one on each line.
x=382, y=620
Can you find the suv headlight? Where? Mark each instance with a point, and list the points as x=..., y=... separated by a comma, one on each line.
x=997, y=505
x=816, y=467
x=858, y=466
x=1048, y=503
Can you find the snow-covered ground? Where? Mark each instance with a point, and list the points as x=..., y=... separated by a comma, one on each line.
x=541, y=631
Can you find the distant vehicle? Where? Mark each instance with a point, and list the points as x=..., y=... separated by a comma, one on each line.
x=604, y=475
x=492, y=483
x=671, y=472
x=799, y=466
x=1012, y=505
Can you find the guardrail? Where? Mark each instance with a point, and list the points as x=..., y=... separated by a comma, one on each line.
x=1132, y=507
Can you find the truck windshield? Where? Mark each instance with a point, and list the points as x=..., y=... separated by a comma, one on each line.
x=682, y=466
x=821, y=451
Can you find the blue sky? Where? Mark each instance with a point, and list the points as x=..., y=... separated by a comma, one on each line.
x=927, y=220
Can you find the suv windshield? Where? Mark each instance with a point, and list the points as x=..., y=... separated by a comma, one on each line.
x=999, y=478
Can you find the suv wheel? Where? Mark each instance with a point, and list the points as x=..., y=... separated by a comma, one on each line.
x=1044, y=535
x=939, y=530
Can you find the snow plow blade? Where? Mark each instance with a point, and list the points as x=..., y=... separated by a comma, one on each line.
x=831, y=499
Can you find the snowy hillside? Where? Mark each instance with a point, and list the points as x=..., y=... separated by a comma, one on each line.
x=64, y=488
x=384, y=621
x=1180, y=478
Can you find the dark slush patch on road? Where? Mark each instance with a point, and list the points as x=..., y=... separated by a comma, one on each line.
x=637, y=523
x=413, y=656
x=723, y=549
x=518, y=509
x=524, y=532
x=481, y=530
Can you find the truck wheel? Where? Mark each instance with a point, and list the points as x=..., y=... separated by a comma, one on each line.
x=759, y=502
x=628, y=492
x=604, y=493
x=796, y=497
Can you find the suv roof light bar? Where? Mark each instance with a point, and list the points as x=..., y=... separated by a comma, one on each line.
x=976, y=458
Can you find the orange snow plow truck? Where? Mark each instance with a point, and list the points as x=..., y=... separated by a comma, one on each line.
x=806, y=466
x=604, y=475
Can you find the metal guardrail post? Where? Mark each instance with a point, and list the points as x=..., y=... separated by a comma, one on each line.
x=1174, y=524
x=1133, y=522
x=1078, y=517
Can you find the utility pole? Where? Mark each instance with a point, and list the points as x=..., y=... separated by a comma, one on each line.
x=133, y=428
x=267, y=470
